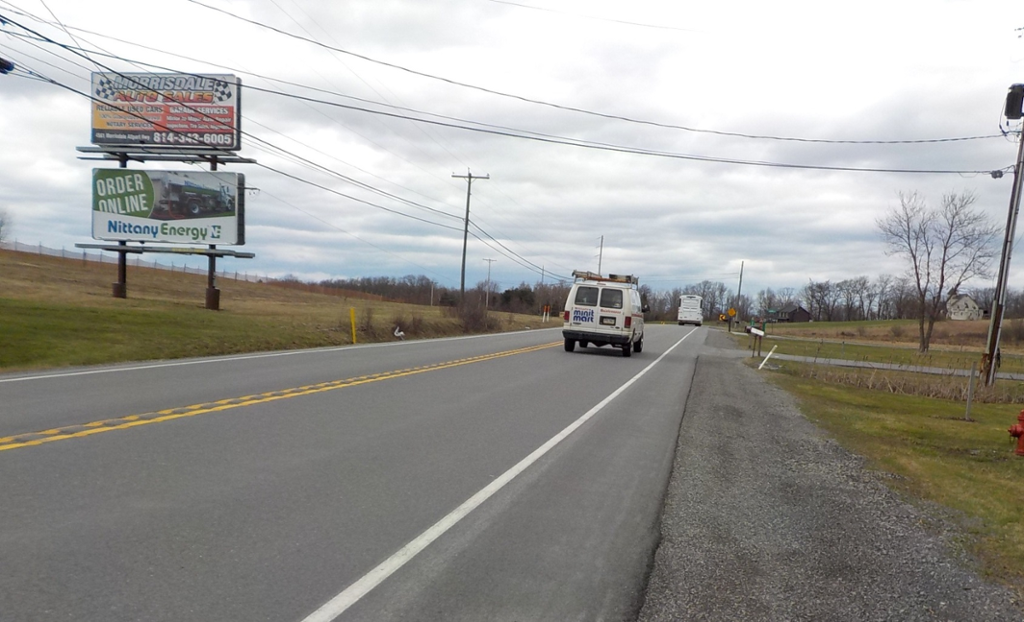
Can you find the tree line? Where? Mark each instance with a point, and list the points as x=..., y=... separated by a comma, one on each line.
x=886, y=297
x=944, y=249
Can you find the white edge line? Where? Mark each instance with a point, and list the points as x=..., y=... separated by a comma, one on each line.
x=245, y=357
x=354, y=592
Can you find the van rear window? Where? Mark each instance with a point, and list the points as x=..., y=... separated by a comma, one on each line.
x=586, y=296
x=611, y=298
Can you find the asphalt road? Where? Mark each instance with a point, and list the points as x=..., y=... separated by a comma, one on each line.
x=489, y=478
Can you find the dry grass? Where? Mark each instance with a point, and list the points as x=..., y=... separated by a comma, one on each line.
x=944, y=386
x=946, y=334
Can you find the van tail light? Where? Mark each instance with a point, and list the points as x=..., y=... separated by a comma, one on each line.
x=565, y=315
x=629, y=322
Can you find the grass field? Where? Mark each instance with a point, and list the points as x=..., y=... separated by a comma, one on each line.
x=58, y=312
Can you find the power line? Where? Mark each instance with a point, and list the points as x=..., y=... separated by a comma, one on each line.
x=281, y=93
x=552, y=139
x=580, y=110
x=349, y=233
x=309, y=164
x=600, y=19
x=261, y=141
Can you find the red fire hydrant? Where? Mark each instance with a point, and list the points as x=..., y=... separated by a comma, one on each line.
x=1018, y=432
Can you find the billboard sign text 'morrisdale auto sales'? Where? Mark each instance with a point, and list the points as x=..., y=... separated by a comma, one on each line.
x=166, y=110
x=178, y=207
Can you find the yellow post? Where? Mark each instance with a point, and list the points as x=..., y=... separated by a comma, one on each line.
x=352, y=315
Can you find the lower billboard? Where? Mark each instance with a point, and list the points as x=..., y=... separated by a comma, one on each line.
x=178, y=207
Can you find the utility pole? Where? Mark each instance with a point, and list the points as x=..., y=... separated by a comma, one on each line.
x=600, y=255
x=487, y=296
x=990, y=360
x=465, y=232
x=739, y=288
x=739, y=292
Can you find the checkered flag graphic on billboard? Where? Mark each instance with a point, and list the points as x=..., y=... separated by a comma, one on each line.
x=105, y=89
x=222, y=91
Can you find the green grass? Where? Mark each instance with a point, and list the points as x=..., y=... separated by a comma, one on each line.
x=967, y=466
x=58, y=312
x=36, y=335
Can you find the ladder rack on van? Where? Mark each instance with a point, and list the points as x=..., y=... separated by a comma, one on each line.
x=583, y=275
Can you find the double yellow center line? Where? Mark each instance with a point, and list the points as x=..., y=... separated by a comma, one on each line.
x=122, y=423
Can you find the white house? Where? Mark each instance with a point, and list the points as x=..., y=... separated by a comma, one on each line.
x=963, y=307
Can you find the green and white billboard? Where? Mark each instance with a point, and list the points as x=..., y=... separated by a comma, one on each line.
x=178, y=207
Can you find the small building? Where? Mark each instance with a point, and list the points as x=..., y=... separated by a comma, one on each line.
x=792, y=313
x=962, y=307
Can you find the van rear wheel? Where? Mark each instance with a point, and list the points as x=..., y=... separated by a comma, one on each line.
x=570, y=345
x=627, y=350
x=639, y=345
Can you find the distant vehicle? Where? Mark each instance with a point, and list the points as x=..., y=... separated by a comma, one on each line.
x=604, y=311
x=690, y=310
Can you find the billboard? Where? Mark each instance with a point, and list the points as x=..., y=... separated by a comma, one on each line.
x=179, y=207
x=161, y=110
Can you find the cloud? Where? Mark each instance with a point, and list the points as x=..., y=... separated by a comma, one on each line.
x=881, y=72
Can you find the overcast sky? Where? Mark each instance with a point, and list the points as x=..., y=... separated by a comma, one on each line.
x=693, y=82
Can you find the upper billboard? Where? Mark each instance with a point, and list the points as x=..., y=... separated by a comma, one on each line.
x=182, y=207
x=162, y=110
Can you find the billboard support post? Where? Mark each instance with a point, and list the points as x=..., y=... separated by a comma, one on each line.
x=212, y=293
x=120, y=289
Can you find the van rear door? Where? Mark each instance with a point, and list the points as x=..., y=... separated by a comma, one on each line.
x=584, y=307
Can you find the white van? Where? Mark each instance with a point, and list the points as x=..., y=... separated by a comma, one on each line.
x=690, y=310
x=604, y=311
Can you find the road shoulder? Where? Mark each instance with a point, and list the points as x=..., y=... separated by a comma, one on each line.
x=767, y=519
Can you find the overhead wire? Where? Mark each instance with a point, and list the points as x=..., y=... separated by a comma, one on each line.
x=328, y=189
x=508, y=252
x=581, y=110
x=525, y=134
x=422, y=128
x=353, y=235
x=255, y=138
x=481, y=127
x=601, y=19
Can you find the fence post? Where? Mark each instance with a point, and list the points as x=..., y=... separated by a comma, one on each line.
x=970, y=391
x=352, y=319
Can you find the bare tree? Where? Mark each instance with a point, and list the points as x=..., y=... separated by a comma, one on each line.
x=715, y=296
x=5, y=225
x=822, y=298
x=944, y=249
x=767, y=301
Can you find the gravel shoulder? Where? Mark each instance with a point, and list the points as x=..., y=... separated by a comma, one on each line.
x=767, y=519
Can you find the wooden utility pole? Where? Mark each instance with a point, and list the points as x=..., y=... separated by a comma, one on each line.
x=990, y=359
x=465, y=232
x=739, y=292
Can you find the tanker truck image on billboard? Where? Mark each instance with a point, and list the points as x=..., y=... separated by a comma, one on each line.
x=179, y=196
x=177, y=207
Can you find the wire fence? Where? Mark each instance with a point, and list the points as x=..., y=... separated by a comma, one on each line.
x=134, y=260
